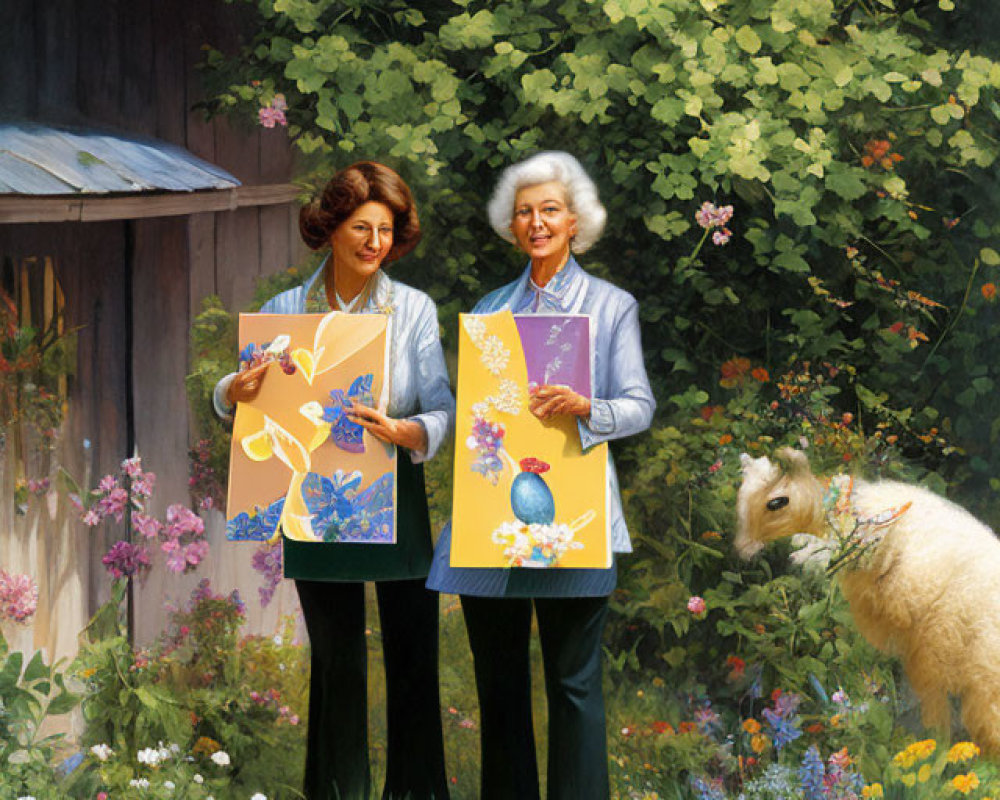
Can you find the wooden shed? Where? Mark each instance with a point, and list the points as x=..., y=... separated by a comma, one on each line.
x=122, y=207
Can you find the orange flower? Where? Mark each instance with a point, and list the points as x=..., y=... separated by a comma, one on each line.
x=989, y=291
x=662, y=727
x=751, y=726
x=687, y=727
x=760, y=374
x=733, y=371
x=725, y=439
x=816, y=727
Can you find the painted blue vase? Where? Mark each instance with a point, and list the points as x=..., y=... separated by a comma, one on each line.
x=530, y=497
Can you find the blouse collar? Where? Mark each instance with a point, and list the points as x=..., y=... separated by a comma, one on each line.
x=564, y=293
x=378, y=291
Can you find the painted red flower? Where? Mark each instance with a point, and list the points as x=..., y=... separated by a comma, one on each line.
x=534, y=465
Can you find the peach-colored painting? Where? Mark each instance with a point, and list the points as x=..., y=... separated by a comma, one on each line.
x=298, y=464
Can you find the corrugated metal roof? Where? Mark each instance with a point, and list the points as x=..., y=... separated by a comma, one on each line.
x=40, y=160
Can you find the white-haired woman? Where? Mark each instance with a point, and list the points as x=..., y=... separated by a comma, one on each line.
x=549, y=208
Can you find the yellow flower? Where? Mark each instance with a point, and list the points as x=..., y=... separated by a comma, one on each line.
x=965, y=783
x=908, y=779
x=872, y=791
x=924, y=749
x=759, y=742
x=924, y=773
x=962, y=751
x=751, y=726
x=835, y=720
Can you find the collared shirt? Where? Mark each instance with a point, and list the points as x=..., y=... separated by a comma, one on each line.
x=420, y=389
x=622, y=405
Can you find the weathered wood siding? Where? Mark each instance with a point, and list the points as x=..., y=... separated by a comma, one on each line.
x=131, y=65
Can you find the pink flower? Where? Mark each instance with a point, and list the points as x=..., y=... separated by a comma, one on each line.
x=108, y=482
x=132, y=467
x=143, y=485
x=696, y=605
x=114, y=503
x=147, y=526
x=721, y=236
x=181, y=520
x=716, y=466
x=92, y=517
x=712, y=216
x=18, y=597
x=269, y=116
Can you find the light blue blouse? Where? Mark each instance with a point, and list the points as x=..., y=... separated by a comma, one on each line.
x=622, y=405
x=420, y=389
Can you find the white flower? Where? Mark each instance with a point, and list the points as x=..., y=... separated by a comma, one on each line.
x=139, y=783
x=277, y=640
x=148, y=756
x=102, y=752
x=32, y=797
x=168, y=785
x=221, y=757
x=198, y=779
x=259, y=796
x=279, y=344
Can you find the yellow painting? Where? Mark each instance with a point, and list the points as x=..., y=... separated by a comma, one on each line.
x=525, y=493
x=298, y=464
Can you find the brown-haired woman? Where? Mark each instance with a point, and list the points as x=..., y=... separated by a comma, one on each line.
x=366, y=216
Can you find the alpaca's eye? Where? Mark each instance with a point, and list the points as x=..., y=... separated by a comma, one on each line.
x=776, y=502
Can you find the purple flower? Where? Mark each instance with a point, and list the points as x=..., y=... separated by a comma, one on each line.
x=107, y=483
x=143, y=484
x=92, y=517
x=182, y=520
x=125, y=559
x=18, y=597
x=783, y=720
x=132, y=467
x=267, y=561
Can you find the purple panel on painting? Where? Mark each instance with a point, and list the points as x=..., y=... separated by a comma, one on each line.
x=556, y=349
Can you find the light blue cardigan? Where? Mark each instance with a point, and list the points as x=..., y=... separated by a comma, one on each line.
x=622, y=405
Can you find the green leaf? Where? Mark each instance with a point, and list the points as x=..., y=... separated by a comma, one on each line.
x=748, y=40
x=989, y=256
x=36, y=668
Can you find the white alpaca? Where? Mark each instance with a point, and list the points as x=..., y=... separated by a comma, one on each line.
x=926, y=586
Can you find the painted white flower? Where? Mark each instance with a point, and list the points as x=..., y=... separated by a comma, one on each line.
x=169, y=785
x=495, y=356
x=198, y=779
x=279, y=344
x=139, y=783
x=259, y=796
x=221, y=757
x=148, y=756
x=102, y=752
x=32, y=797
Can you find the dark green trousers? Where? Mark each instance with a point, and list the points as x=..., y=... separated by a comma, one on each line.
x=570, y=631
x=337, y=766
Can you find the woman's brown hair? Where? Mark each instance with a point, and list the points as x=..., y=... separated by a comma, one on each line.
x=352, y=187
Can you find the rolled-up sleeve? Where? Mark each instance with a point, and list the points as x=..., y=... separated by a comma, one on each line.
x=434, y=397
x=625, y=405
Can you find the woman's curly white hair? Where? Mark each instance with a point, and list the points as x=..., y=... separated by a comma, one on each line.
x=581, y=195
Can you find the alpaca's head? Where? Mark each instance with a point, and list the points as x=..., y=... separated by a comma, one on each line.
x=776, y=500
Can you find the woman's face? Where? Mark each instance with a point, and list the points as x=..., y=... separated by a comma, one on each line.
x=363, y=240
x=543, y=224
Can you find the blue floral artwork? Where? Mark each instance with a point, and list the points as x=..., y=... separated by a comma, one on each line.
x=347, y=435
x=257, y=527
x=340, y=513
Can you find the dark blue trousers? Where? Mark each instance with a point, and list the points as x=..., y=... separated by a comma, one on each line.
x=570, y=631
x=337, y=765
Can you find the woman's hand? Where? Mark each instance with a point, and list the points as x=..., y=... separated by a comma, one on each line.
x=401, y=432
x=246, y=385
x=548, y=401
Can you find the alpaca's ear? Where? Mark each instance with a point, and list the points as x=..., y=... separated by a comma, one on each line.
x=795, y=461
x=745, y=461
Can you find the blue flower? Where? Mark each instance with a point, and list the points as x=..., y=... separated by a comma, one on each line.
x=811, y=774
x=246, y=354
